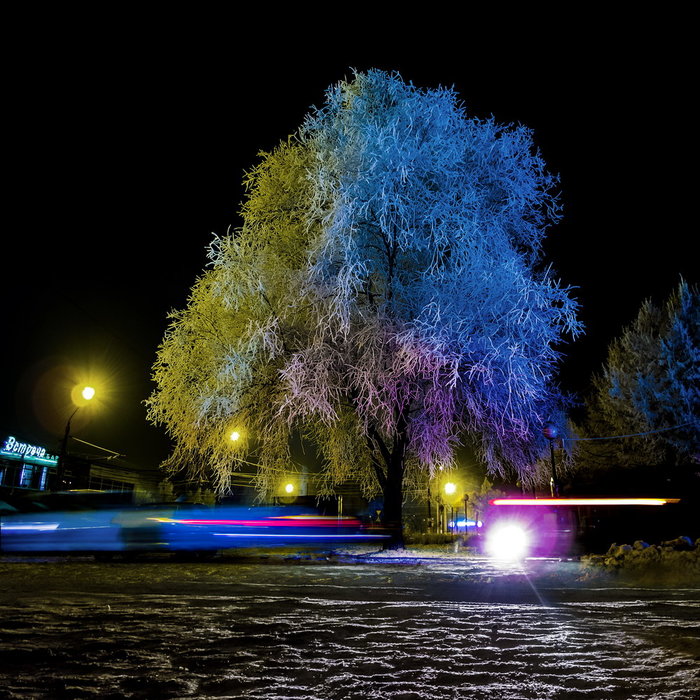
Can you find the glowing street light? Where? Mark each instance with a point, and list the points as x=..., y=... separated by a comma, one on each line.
x=235, y=436
x=88, y=393
x=450, y=488
x=289, y=488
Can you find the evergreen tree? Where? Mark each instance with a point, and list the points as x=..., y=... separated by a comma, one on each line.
x=649, y=385
x=385, y=296
x=669, y=395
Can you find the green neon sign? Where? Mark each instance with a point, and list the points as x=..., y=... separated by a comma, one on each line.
x=14, y=449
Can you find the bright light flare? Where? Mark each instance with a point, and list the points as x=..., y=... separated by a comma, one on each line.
x=508, y=541
x=450, y=488
x=289, y=488
x=235, y=436
x=83, y=394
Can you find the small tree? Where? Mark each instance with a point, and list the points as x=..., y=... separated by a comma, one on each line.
x=384, y=296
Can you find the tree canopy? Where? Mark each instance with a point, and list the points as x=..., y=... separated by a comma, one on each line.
x=384, y=297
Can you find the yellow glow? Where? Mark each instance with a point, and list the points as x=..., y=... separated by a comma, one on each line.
x=450, y=488
x=289, y=488
x=235, y=435
x=84, y=394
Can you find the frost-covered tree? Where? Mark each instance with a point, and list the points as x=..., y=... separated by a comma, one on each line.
x=384, y=296
x=649, y=387
x=671, y=397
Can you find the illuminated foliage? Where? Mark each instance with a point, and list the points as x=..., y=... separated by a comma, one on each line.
x=673, y=396
x=651, y=382
x=384, y=297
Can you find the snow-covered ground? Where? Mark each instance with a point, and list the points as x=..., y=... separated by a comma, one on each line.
x=404, y=625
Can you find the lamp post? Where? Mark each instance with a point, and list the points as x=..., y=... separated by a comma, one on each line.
x=450, y=489
x=87, y=393
x=430, y=517
x=551, y=432
x=466, y=516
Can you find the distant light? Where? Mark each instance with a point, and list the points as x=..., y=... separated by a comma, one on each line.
x=235, y=435
x=88, y=393
x=582, y=501
x=450, y=488
x=551, y=432
x=289, y=488
x=466, y=523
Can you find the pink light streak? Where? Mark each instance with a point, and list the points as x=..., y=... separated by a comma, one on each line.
x=294, y=521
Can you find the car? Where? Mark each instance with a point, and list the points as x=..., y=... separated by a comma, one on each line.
x=103, y=524
x=58, y=523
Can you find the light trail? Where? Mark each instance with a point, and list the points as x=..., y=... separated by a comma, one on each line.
x=582, y=501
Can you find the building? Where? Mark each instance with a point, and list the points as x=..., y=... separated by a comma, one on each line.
x=28, y=467
x=25, y=466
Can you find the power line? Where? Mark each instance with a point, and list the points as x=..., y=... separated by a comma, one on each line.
x=98, y=447
x=616, y=437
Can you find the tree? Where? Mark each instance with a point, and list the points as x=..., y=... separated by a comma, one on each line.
x=671, y=397
x=384, y=296
x=649, y=387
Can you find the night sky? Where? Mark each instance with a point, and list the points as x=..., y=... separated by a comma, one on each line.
x=128, y=151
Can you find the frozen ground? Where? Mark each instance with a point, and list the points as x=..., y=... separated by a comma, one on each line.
x=397, y=627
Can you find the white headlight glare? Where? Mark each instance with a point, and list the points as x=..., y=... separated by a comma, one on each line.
x=507, y=541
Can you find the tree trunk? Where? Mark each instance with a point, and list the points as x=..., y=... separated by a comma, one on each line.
x=393, y=488
x=393, y=504
x=389, y=466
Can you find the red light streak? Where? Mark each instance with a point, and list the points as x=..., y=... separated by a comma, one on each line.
x=278, y=522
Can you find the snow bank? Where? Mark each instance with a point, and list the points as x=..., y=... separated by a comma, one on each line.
x=676, y=562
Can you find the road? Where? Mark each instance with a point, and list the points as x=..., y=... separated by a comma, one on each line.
x=309, y=628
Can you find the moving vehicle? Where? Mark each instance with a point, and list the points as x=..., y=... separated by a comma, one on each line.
x=565, y=527
x=96, y=522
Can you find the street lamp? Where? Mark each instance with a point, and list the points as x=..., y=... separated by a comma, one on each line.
x=551, y=432
x=450, y=489
x=87, y=393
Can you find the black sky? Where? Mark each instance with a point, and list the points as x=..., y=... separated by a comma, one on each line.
x=127, y=151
